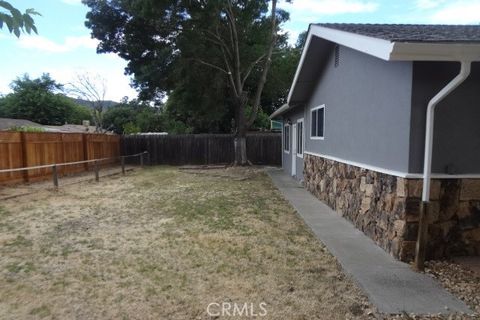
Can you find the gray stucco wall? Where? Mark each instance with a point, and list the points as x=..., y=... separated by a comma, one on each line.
x=293, y=116
x=367, y=115
x=457, y=119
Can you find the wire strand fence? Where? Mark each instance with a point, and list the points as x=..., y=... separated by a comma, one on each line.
x=96, y=165
x=39, y=149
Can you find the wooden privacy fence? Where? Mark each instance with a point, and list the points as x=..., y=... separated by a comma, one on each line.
x=28, y=149
x=200, y=149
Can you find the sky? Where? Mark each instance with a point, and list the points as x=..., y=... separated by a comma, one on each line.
x=65, y=49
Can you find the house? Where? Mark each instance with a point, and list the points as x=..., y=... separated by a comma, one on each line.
x=376, y=110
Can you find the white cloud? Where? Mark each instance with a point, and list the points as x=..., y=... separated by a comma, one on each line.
x=46, y=45
x=116, y=83
x=72, y=2
x=331, y=7
x=4, y=86
x=292, y=35
x=459, y=12
x=428, y=4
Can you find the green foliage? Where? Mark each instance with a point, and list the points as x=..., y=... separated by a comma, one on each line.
x=130, y=128
x=41, y=100
x=78, y=114
x=201, y=103
x=27, y=129
x=150, y=119
x=262, y=122
x=115, y=118
x=164, y=61
x=133, y=117
x=284, y=65
x=15, y=21
x=174, y=126
x=302, y=38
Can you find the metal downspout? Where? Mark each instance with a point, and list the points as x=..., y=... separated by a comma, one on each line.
x=427, y=164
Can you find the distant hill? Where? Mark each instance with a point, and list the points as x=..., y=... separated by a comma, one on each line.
x=85, y=103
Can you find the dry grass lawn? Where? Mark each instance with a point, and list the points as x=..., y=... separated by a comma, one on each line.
x=161, y=243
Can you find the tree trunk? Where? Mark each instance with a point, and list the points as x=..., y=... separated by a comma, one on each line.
x=240, y=141
x=266, y=67
x=240, y=144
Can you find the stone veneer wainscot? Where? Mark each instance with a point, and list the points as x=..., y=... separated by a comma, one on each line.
x=386, y=207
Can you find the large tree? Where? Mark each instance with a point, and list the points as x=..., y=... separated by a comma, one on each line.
x=201, y=100
x=165, y=41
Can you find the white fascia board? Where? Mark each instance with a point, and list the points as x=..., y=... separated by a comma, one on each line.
x=279, y=111
x=373, y=46
x=395, y=173
x=413, y=51
x=389, y=51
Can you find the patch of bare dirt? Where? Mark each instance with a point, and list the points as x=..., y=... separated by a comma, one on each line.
x=459, y=280
x=163, y=243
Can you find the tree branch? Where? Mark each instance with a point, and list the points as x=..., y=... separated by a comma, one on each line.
x=217, y=39
x=212, y=65
x=92, y=89
x=227, y=72
x=250, y=68
x=235, y=44
x=266, y=67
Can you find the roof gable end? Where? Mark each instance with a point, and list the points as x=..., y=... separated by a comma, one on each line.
x=391, y=43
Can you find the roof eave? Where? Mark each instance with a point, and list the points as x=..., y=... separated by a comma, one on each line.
x=280, y=111
x=387, y=50
x=424, y=51
x=300, y=63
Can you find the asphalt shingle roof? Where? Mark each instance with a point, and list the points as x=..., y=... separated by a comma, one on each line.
x=412, y=32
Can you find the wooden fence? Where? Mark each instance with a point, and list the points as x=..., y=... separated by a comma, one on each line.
x=28, y=149
x=200, y=149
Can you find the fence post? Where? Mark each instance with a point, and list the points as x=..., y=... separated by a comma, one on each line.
x=141, y=159
x=85, y=150
x=55, y=176
x=208, y=151
x=97, y=177
x=149, y=147
x=24, y=156
x=122, y=160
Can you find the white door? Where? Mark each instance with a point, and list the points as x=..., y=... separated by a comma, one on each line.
x=294, y=149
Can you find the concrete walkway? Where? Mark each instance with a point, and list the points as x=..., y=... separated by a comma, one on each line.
x=390, y=285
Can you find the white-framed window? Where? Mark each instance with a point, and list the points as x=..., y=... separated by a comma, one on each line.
x=300, y=138
x=286, y=138
x=317, y=128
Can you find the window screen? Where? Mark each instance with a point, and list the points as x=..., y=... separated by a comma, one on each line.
x=286, y=138
x=318, y=122
x=300, y=138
